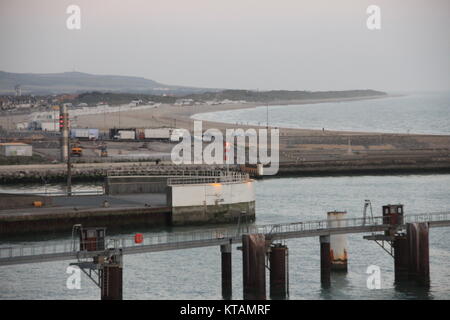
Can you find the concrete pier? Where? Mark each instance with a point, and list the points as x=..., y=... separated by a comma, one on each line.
x=254, y=269
x=225, y=250
x=279, y=272
x=325, y=261
x=111, y=280
x=338, y=243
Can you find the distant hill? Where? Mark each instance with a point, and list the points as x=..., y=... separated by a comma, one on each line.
x=77, y=82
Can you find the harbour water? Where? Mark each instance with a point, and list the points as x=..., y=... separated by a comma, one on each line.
x=427, y=113
x=195, y=273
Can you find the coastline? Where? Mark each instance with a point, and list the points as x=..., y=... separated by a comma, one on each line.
x=181, y=116
x=302, y=151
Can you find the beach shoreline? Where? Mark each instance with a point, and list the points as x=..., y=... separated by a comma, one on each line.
x=182, y=116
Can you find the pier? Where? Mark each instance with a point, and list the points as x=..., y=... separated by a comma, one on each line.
x=405, y=237
x=145, y=198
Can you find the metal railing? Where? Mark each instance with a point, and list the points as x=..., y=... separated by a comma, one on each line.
x=227, y=178
x=210, y=237
x=58, y=193
x=37, y=249
x=161, y=171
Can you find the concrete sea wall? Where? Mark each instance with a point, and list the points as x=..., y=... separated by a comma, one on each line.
x=16, y=201
x=117, y=218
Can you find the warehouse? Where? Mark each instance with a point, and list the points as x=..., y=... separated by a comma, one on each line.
x=15, y=149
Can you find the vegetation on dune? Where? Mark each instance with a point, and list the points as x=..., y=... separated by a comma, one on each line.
x=111, y=98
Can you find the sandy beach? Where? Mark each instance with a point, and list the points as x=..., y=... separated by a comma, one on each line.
x=180, y=117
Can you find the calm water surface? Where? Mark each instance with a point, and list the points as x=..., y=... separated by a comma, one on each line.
x=413, y=113
x=195, y=273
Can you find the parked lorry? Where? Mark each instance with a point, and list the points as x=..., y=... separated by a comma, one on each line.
x=84, y=134
x=176, y=135
x=125, y=135
x=158, y=133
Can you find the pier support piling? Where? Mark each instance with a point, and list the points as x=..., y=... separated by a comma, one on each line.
x=279, y=272
x=225, y=250
x=338, y=243
x=325, y=261
x=254, y=269
x=111, y=279
x=423, y=274
x=401, y=258
x=411, y=254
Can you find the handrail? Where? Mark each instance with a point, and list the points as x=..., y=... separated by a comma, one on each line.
x=165, y=241
x=235, y=177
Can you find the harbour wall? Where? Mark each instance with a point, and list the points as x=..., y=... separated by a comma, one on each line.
x=63, y=220
x=15, y=201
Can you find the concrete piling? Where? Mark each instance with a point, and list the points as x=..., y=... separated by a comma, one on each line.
x=338, y=243
x=254, y=269
x=111, y=280
x=279, y=272
x=225, y=250
x=325, y=261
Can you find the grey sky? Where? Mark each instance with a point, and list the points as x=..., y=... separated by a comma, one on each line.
x=277, y=44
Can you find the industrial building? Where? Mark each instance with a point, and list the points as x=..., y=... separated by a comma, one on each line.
x=15, y=149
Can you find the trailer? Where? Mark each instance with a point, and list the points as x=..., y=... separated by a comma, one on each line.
x=157, y=134
x=84, y=134
x=51, y=126
x=125, y=135
x=129, y=133
x=176, y=135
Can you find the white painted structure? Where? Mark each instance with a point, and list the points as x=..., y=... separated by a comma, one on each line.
x=212, y=194
x=223, y=202
x=338, y=243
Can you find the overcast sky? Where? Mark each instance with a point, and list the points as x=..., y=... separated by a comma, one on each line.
x=251, y=44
